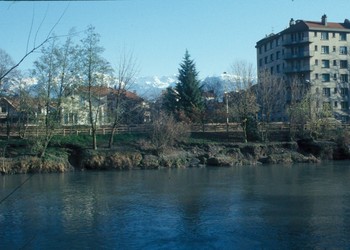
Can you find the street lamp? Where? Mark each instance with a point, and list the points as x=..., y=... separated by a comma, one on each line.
x=226, y=99
x=227, y=121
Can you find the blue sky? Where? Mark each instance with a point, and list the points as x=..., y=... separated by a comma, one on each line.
x=215, y=32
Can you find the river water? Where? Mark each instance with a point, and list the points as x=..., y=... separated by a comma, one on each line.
x=251, y=207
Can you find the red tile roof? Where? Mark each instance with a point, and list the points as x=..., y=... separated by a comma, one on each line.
x=319, y=25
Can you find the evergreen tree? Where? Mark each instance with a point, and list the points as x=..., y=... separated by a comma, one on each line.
x=170, y=100
x=189, y=90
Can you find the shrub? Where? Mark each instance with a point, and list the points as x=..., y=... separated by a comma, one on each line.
x=166, y=131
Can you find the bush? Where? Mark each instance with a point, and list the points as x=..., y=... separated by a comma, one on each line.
x=166, y=131
x=252, y=129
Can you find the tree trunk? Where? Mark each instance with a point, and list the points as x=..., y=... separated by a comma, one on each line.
x=94, y=139
x=111, y=138
x=245, y=131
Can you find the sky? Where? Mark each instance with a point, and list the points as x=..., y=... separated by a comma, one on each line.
x=216, y=33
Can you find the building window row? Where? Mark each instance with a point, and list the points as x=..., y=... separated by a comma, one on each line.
x=271, y=58
x=343, y=64
x=325, y=35
x=344, y=92
x=270, y=45
x=344, y=105
x=344, y=78
x=343, y=50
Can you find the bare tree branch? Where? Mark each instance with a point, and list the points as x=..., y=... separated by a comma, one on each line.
x=49, y=37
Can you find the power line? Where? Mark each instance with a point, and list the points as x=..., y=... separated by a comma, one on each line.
x=13, y=191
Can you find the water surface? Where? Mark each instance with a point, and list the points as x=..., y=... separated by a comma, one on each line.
x=270, y=207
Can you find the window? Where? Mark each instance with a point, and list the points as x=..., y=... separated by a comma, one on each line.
x=335, y=90
x=344, y=92
x=316, y=76
x=344, y=105
x=343, y=50
x=335, y=77
x=326, y=92
x=65, y=118
x=3, y=109
x=325, y=78
x=334, y=49
x=342, y=36
x=334, y=62
x=333, y=34
x=260, y=62
x=278, y=53
x=335, y=104
x=278, y=69
x=271, y=57
x=316, y=48
x=315, y=34
x=316, y=62
x=343, y=64
x=260, y=50
x=325, y=63
x=265, y=59
x=292, y=37
x=325, y=49
x=324, y=35
x=344, y=78
x=344, y=118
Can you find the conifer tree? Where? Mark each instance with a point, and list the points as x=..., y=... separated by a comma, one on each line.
x=189, y=91
x=170, y=101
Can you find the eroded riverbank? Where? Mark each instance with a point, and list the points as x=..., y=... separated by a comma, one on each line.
x=184, y=155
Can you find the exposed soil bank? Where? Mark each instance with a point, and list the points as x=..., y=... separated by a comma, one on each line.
x=183, y=156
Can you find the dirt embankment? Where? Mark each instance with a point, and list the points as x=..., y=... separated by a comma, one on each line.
x=183, y=156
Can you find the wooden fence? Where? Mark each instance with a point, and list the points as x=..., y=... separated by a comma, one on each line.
x=15, y=131
x=277, y=130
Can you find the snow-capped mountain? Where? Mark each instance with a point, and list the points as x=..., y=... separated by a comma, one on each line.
x=151, y=87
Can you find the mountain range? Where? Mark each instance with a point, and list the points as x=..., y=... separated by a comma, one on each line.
x=148, y=87
x=151, y=87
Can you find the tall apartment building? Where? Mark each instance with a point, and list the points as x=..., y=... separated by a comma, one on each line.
x=317, y=53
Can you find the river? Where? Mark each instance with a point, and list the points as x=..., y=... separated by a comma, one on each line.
x=251, y=207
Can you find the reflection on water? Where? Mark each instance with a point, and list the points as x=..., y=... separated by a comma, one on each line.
x=273, y=207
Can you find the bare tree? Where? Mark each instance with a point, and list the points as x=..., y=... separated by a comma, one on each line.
x=54, y=72
x=46, y=73
x=244, y=103
x=126, y=72
x=94, y=68
x=271, y=92
x=9, y=77
x=12, y=79
x=299, y=104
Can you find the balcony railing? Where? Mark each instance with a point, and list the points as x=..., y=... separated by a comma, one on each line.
x=296, y=69
x=298, y=41
x=298, y=55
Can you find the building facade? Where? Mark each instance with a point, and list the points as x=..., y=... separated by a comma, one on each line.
x=317, y=54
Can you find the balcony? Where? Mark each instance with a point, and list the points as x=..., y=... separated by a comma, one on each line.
x=290, y=42
x=303, y=54
x=298, y=69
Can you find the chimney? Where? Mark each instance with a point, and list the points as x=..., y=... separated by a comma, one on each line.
x=291, y=22
x=324, y=20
